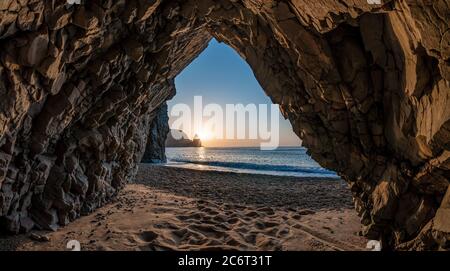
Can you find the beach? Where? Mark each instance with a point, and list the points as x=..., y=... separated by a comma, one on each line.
x=168, y=208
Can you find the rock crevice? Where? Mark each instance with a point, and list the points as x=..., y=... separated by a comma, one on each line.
x=155, y=149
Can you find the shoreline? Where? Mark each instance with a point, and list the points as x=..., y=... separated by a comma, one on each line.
x=199, y=166
x=307, y=192
x=284, y=161
x=169, y=208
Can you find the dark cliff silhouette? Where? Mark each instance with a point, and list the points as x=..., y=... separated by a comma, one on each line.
x=177, y=138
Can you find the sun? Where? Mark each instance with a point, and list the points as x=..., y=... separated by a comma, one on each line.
x=204, y=134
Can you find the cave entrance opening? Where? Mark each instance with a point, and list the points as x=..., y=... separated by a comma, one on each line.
x=220, y=106
x=218, y=78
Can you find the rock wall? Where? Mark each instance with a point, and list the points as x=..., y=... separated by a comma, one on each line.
x=78, y=87
x=155, y=150
x=365, y=86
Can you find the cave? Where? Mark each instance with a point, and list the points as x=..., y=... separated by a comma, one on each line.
x=365, y=86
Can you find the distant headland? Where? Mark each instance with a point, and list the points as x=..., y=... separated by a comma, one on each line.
x=184, y=140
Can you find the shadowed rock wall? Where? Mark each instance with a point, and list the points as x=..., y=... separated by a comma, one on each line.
x=155, y=150
x=366, y=87
x=78, y=88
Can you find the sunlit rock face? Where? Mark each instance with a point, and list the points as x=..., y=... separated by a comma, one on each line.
x=365, y=86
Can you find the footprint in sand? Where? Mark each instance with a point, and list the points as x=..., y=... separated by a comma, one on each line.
x=267, y=210
x=283, y=232
x=234, y=243
x=165, y=225
x=252, y=214
x=197, y=241
x=148, y=236
x=207, y=230
x=261, y=225
x=220, y=218
x=250, y=238
x=210, y=211
x=233, y=220
x=179, y=235
x=306, y=212
x=271, y=232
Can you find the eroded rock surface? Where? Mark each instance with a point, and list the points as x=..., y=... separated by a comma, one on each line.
x=365, y=86
x=155, y=150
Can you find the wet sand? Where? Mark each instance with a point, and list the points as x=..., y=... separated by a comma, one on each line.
x=170, y=208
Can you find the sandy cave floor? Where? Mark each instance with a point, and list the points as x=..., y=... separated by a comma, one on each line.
x=182, y=209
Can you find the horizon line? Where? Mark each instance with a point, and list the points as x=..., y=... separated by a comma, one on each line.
x=234, y=147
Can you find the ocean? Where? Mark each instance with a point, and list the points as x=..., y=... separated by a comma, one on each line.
x=284, y=161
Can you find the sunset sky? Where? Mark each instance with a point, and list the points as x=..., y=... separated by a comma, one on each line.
x=222, y=77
